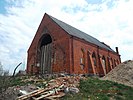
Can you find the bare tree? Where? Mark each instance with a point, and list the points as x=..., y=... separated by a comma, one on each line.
x=1, y=69
x=4, y=79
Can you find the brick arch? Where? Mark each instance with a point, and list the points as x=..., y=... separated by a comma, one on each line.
x=44, y=53
x=39, y=45
x=44, y=36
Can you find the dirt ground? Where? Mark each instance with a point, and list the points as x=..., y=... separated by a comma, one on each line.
x=123, y=73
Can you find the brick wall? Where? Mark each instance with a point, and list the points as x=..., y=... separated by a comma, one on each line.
x=79, y=44
x=67, y=52
x=60, y=47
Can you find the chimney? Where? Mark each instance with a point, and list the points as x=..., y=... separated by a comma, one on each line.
x=117, y=50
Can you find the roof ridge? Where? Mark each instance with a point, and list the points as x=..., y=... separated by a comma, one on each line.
x=78, y=33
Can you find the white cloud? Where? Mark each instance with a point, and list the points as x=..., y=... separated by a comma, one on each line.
x=110, y=22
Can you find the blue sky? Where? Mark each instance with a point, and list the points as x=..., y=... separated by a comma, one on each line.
x=94, y=1
x=3, y=4
x=110, y=21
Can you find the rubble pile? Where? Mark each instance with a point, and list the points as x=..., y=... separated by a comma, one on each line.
x=48, y=89
x=15, y=91
x=123, y=73
x=55, y=88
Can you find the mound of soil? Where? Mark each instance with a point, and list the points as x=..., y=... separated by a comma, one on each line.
x=123, y=73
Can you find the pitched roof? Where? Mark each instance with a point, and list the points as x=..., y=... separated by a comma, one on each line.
x=77, y=33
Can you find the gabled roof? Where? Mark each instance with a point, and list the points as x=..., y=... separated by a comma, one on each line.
x=77, y=33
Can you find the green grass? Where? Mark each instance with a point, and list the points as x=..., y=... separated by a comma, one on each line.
x=19, y=81
x=90, y=89
x=95, y=89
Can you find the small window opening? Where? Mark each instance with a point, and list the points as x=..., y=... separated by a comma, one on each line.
x=82, y=59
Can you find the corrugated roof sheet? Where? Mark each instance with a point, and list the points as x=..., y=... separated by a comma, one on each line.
x=77, y=33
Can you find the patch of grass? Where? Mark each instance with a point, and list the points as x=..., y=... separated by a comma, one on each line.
x=78, y=96
x=20, y=81
x=17, y=81
x=95, y=89
x=14, y=81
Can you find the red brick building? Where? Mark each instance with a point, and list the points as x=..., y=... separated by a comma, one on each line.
x=60, y=48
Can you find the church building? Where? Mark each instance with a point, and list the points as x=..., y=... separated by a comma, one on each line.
x=60, y=48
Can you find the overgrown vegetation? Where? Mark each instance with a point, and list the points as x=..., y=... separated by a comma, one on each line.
x=95, y=89
x=7, y=81
x=4, y=83
x=4, y=79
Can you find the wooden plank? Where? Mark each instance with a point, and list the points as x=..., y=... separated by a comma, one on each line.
x=36, y=92
x=34, y=98
x=39, y=91
x=43, y=96
x=51, y=92
x=92, y=64
x=44, y=60
x=53, y=97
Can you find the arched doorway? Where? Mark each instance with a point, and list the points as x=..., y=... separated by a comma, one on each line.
x=45, y=54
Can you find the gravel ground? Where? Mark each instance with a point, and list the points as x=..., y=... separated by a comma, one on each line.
x=123, y=73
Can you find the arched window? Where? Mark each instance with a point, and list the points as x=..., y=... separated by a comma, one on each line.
x=112, y=63
x=94, y=59
x=82, y=59
x=104, y=62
